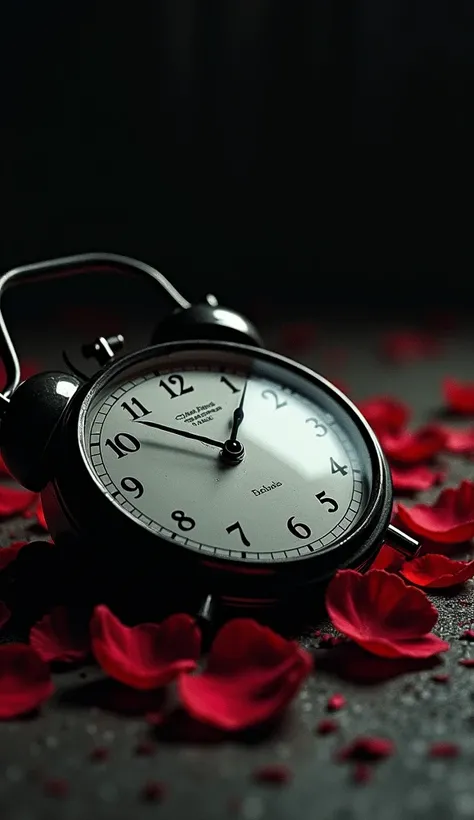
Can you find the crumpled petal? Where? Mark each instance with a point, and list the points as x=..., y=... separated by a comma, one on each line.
x=25, y=681
x=415, y=479
x=459, y=396
x=146, y=656
x=56, y=638
x=383, y=615
x=437, y=571
x=14, y=501
x=385, y=414
x=459, y=441
x=450, y=520
x=251, y=676
x=413, y=446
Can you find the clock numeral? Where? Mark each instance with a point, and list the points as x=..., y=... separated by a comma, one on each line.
x=130, y=408
x=229, y=384
x=318, y=426
x=175, y=379
x=183, y=521
x=236, y=527
x=132, y=485
x=336, y=468
x=123, y=444
x=298, y=529
x=267, y=394
x=326, y=499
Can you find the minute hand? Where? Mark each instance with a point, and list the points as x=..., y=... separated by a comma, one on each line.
x=183, y=433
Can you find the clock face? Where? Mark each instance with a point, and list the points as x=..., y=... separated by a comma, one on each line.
x=302, y=484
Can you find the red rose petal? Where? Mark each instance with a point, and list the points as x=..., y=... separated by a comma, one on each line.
x=366, y=749
x=146, y=656
x=440, y=677
x=437, y=571
x=37, y=512
x=385, y=414
x=327, y=727
x=14, y=500
x=415, y=479
x=5, y=614
x=449, y=521
x=54, y=638
x=410, y=447
x=336, y=702
x=443, y=748
x=459, y=396
x=388, y=559
x=458, y=441
x=467, y=662
x=383, y=615
x=153, y=792
x=276, y=774
x=407, y=345
x=25, y=682
x=468, y=635
x=252, y=675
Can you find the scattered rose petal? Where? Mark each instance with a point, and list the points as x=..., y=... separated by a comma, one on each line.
x=437, y=571
x=153, y=792
x=36, y=511
x=415, y=479
x=327, y=727
x=366, y=749
x=362, y=773
x=383, y=615
x=440, y=677
x=388, y=559
x=458, y=441
x=409, y=345
x=336, y=702
x=8, y=554
x=459, y=396
x=450, y=520
x=56, y=638
x=14, y=501
x=251, y=676
x=275, y=774
x=444, y=748
x=468, y=635
x=385, y=414
x=413, y=446
x=5, y=614
x=146, y=656
x=25, y=682
x=56, y=787
x=467, y=662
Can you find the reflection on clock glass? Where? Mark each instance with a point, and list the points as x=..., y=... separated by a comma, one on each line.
x=154, y=436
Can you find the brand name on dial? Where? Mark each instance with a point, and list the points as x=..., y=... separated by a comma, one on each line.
x=266, y=488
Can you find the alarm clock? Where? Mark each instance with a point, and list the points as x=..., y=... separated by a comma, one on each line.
x=223, y=468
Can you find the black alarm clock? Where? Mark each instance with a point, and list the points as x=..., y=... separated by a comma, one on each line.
x=227, y=469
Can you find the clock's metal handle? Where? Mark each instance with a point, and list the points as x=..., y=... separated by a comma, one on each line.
x=69, y=266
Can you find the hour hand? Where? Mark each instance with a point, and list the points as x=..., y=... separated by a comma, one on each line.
x=183, y=433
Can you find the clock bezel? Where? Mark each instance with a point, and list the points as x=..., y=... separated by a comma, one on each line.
x=77, y=505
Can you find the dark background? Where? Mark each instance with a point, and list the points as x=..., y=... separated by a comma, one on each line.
x=236, y=144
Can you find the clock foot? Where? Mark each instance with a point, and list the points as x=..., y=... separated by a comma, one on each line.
x=402, y=542
x=205, y=613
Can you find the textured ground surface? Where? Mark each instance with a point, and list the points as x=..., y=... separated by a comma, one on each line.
x=214, y=781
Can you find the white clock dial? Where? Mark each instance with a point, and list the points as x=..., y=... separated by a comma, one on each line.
x=302, y=484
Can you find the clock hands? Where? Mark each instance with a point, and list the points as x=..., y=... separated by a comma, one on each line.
x=233, y=451
x=184, y=433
